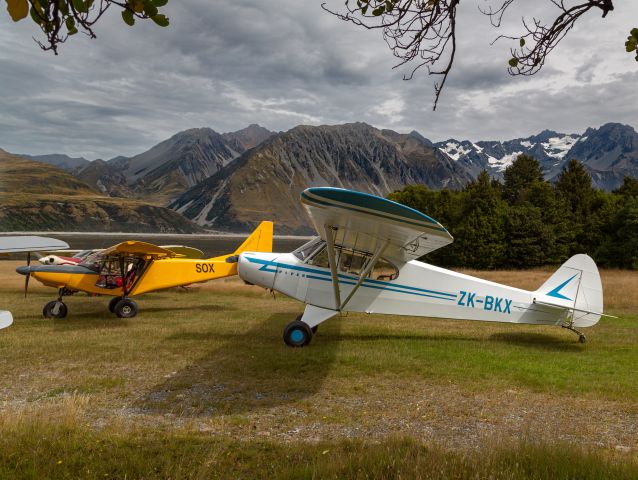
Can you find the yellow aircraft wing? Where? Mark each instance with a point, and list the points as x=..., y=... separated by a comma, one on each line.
x=140, y=249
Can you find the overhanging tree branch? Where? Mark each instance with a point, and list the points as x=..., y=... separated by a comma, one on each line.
x=423, y=32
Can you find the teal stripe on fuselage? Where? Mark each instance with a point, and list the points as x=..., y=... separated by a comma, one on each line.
x=368, y=282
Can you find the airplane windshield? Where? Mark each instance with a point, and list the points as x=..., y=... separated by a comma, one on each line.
x=304, y=252
x=93, y=261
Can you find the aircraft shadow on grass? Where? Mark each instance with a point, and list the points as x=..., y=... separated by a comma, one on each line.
x=540, y=341
x=252, y=370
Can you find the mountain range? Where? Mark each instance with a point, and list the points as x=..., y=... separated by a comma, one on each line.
x=36, y=196
x=230, y=181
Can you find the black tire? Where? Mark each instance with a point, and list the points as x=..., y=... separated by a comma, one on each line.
x=297, y=334
x=113, y=302
x=582, y=339
x=126, y=308
x=55, y=309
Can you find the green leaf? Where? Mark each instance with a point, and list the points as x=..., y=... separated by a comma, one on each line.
x=522, y=42
x=388, y=6
x=159, y=3
x=63, y=6
x=364, y=10
x=513, y=62
x=80, y=6
x=634, y=33
x=18, y=9
x=136, y=5
x=630, y=45
x=128, y=18
x=161, y=20
x=34, y=16
x=378, y=11
x=149, y=8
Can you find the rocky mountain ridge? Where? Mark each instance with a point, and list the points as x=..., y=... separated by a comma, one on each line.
x=609, y=152
x=268, y=179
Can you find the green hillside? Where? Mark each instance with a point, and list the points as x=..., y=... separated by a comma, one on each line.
x=39, y=197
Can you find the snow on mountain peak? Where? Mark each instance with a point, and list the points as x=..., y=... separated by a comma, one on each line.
x=502, y=163
x=557, y=147
x=454, y=150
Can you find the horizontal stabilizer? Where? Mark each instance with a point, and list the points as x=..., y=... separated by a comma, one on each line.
x=562, y=307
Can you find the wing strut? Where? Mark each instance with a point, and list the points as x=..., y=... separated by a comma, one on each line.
x=365, y=272
x=332, y=261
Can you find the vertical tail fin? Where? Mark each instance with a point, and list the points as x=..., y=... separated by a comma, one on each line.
x=258, y=241
x=576, y=285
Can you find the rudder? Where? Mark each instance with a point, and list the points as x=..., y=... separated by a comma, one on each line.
x=576, y=284
x=258, y=241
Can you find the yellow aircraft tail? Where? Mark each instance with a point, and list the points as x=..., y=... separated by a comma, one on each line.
x=258, y=241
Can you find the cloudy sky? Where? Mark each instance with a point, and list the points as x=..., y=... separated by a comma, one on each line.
x=286, y=62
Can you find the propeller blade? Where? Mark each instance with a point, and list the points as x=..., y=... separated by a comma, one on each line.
x=26, y=279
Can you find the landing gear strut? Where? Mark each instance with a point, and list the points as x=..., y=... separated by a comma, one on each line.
x=122, y=306
x=581, y=335
x=56, y=308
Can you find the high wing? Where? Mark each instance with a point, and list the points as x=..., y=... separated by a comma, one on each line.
x=365, y=222
x=17, y=244
x=139, y=249
x=186, y=252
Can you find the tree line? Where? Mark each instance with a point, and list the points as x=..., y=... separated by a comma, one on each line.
x=526, y=221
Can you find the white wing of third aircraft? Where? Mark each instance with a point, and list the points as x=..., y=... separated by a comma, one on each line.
x=29, y=243
x=26, y=243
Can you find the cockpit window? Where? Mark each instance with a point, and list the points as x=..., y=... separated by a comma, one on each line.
x=351, y=261
x=93, y=261
x=304, y=252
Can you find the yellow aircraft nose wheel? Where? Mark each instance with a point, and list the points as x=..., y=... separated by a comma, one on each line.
x=56, y=308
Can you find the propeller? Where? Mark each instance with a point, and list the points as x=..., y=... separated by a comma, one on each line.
x=28, y=276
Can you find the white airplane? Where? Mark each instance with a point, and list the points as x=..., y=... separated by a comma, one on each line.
x=28, y=244
x=364, y=260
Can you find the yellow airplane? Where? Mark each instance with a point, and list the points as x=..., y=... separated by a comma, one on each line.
x=132, y=268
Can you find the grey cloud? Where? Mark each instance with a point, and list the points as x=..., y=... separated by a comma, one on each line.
x=228, y=64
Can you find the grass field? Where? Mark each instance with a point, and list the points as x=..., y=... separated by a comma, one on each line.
x=201, y=385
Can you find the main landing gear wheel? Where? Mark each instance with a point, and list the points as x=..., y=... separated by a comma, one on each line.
x=113, y=302
x=125, y=308
x=55, y=309
x=581, y=338
x=297, y=334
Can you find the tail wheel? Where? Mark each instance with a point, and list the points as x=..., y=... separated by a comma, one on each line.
x=113, y=302
x=55, y=309
x=297, y=334
x=125, y=308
